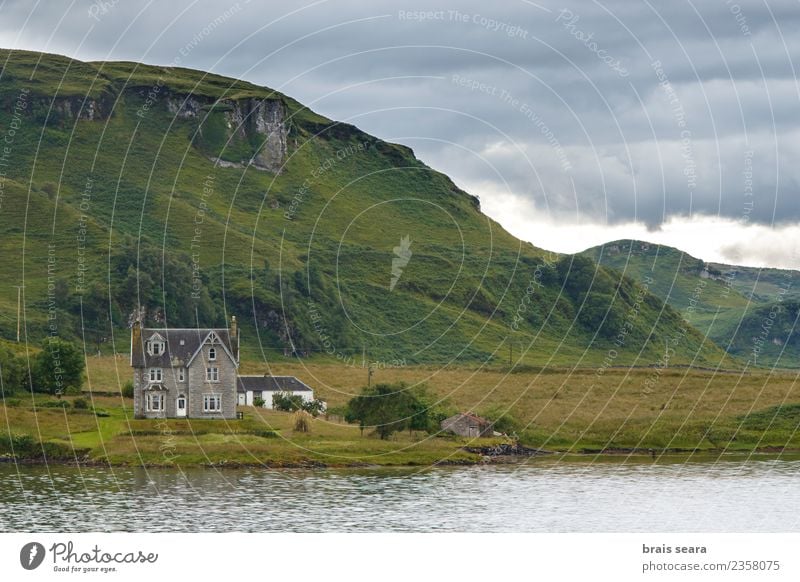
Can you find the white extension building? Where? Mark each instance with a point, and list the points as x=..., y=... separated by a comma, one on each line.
x=251, y=387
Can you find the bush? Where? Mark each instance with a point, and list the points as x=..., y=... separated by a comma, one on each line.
x=12, y=371
x=314, y=407
x=127, y=389
x=287, y=402
x=53, y=404
x=80, y=404
x=264, y=433
x=101, y=413
x=502, y=420
x=259, y=402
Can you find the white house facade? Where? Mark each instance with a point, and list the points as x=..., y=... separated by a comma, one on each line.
x=251, y=387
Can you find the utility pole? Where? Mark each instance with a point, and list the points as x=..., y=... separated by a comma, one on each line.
x=19, y=308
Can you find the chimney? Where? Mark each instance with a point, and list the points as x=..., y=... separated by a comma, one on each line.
x=136, y=336
x=234, y=333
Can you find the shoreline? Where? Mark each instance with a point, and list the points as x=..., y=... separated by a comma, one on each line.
x=617, y=455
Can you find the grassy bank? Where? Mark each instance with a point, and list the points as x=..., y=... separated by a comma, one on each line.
x=571, y=411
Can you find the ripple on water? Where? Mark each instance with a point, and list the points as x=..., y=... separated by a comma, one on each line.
x=540, y=497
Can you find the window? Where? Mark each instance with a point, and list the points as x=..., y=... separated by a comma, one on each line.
x=212, y=403
x=212, y=353
x=154, y=401
x=212, y=374
x=181, y=375
x=155, y=346
x=156, y=374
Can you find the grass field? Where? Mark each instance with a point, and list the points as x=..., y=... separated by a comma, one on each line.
x=566, y=411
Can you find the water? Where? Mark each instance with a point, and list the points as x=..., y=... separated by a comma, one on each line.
x=543, y=496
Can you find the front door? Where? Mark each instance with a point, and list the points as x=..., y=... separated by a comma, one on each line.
x=181, y=406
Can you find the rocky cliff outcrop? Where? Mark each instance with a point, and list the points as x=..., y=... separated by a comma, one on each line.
x=257, y=121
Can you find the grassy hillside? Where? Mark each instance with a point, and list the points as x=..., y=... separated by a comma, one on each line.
x=197, y=197
x=750, y=312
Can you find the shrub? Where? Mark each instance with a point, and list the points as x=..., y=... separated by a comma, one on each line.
x=80, y=404
x=12, y=371
x=53, y=404
x=127, y=389
x=259, y=402
x=501, y=420
x=264, y=433
x=287, y=402
x=314, y=407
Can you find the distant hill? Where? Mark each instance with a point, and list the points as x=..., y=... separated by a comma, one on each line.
x=729, y=303
x=197, y=196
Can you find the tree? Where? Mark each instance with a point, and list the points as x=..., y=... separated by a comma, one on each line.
x=58, y=367
x=387, y=407
x=12, y=371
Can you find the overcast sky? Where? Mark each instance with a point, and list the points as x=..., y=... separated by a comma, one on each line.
x=575, y=122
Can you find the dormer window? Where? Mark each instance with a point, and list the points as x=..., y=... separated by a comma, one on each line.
x=155, y=345
x=212, y=353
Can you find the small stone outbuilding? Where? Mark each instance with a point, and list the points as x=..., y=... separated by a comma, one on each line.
x=468, y=425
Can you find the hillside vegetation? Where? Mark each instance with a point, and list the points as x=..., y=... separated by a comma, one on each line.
x=197, y=197
x=750, y=312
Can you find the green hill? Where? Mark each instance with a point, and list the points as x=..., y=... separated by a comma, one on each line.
x=197, y=196
x=728, y=303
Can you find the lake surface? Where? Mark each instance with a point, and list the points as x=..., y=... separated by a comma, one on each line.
x=540, y=496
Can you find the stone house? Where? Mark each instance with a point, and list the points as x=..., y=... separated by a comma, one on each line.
x=185, y=373
x=468, y=425
x=251, y=387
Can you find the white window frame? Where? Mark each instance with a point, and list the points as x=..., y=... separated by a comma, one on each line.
x=156, y=375
x=212, y=403
x=181, y=374
x=150, y=398
x=151, y=347
x=212, y=354
x=212, y=374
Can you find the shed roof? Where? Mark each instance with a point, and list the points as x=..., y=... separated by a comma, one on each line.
x=271, y=384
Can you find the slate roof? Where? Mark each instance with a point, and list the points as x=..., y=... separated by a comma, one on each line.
x=271, y=384
x=192, y=339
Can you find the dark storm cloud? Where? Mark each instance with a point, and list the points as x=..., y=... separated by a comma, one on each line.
x=614, y=110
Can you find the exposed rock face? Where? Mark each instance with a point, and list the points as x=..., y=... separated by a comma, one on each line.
x=76, y=108
x=186, y=107
x=262, y=121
